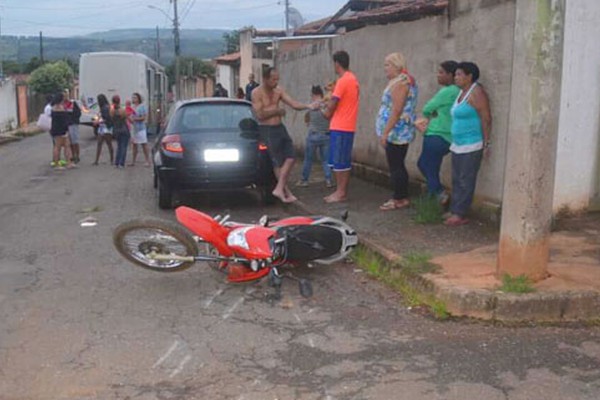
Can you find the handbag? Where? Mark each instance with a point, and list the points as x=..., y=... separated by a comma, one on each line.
x=44, y=122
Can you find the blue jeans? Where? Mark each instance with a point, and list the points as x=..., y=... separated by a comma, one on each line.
x=122, y=144
x=316, y=142
x=434, y=150
x=464, y=178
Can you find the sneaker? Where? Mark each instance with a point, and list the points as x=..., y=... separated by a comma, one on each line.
x=329, y=183
x=62, y=163
x=302, y=183
x=52, y=164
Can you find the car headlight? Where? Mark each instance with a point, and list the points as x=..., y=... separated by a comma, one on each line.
x=237, y=238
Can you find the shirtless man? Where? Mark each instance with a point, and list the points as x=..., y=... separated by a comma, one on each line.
x=265, y=101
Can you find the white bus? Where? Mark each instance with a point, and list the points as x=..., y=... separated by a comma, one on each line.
x=123, y=73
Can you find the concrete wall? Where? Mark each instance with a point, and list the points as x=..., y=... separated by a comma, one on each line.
x=8, y=105
x=225, y=77
x=578, y=156
x=479, y=31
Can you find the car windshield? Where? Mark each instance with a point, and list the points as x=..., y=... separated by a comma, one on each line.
x=211, y=116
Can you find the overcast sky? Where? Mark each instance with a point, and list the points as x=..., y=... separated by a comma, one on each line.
x=60, y=18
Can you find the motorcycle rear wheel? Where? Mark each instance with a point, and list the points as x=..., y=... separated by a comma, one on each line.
x=137, y=239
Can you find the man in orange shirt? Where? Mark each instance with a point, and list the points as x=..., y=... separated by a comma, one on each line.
x=343, y=112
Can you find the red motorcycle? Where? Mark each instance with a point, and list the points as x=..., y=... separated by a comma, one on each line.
x=245, y=252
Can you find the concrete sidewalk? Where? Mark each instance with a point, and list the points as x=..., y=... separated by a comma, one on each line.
x=466, y=281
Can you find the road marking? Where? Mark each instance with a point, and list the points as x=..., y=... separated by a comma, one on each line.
x=166, y=355
x=212, y=298
x=232, y=308
x=180, y=366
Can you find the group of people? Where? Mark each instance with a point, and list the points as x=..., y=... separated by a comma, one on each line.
x=115, y=121
x=456, y=120
x=124, y=124
x=64, y=130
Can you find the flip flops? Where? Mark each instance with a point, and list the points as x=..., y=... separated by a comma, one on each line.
x=393, y=205
x=455, y=220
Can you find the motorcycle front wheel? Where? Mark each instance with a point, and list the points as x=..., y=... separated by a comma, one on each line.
x=140, y=240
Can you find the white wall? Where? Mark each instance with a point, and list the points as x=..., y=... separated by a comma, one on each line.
x=225, y=78
x=8, y=105
x=577, y=170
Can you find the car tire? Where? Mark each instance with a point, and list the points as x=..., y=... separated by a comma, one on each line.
x=266, y=190
x=165, y=196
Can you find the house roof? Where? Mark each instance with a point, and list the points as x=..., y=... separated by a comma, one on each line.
x=358, y=13
x=228, y=58
x=400, y=10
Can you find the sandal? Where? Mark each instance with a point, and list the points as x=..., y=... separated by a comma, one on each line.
x=455, y=220
x=393, y=205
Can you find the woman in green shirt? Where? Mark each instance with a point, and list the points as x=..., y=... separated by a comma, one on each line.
x=436, y=124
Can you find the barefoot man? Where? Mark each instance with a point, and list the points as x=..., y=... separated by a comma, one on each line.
x=343, y=112
x=265, y=101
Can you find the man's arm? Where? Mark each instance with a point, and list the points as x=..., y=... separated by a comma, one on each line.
x=259, y=108
x=331, y=107
x=296, y=105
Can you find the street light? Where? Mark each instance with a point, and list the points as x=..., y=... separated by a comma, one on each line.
x=175, y=22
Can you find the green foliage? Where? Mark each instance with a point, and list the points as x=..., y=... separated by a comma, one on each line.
x=418, y=263
x=51, y=78
x=33, y=64
x=190, y=66
x=231, y=42
x=429, y=210
x=517, y=284
x=398, y=279
x=10, y=67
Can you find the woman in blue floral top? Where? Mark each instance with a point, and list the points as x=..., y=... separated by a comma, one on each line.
x=395, y=126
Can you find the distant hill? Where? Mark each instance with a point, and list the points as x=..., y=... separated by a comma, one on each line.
x=202, y=43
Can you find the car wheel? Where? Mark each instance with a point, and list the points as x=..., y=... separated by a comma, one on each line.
x=165, y=196
x=266, y=190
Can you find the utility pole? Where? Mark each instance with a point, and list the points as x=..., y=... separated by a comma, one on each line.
x=157, y=44
x=177, y=49
x=41, y=48
x=1, y=53
x=287, y=17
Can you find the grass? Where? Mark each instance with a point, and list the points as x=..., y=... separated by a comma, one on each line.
x=428, y=210
x=517, y=284
x=397, y=276
x=418, y=263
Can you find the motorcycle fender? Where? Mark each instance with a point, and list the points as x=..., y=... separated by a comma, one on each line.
x=206, y=227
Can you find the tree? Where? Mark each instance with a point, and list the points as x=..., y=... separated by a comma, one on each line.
x=231, y=42
x=11, y=67
x=33, y=64
x=51, y=78
x=190, y=66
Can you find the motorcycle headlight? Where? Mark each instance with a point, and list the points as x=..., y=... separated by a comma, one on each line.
x=237, y=238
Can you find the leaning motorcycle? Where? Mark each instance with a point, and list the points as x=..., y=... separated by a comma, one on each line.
x=244, y=252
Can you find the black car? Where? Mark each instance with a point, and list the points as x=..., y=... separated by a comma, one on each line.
x=211, y=144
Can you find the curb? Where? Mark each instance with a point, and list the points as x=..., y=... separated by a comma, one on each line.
x=566, y=306
x=4, y=139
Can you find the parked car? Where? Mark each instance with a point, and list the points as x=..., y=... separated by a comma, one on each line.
x=211, y=144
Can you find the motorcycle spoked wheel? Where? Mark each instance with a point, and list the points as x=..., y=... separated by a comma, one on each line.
x=137, y=239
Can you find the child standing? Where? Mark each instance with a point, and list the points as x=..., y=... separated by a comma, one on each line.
x=317, y=139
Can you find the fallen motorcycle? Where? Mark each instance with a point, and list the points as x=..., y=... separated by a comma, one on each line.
x=245, y=252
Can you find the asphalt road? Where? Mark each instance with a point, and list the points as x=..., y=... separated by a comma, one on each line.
x=79, y=322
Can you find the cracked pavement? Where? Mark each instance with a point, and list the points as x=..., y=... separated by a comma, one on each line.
x=80, y=322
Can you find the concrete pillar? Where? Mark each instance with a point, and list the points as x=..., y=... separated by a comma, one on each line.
x=533, y=131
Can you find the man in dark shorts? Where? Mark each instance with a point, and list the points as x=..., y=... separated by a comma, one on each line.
x=265, y=101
